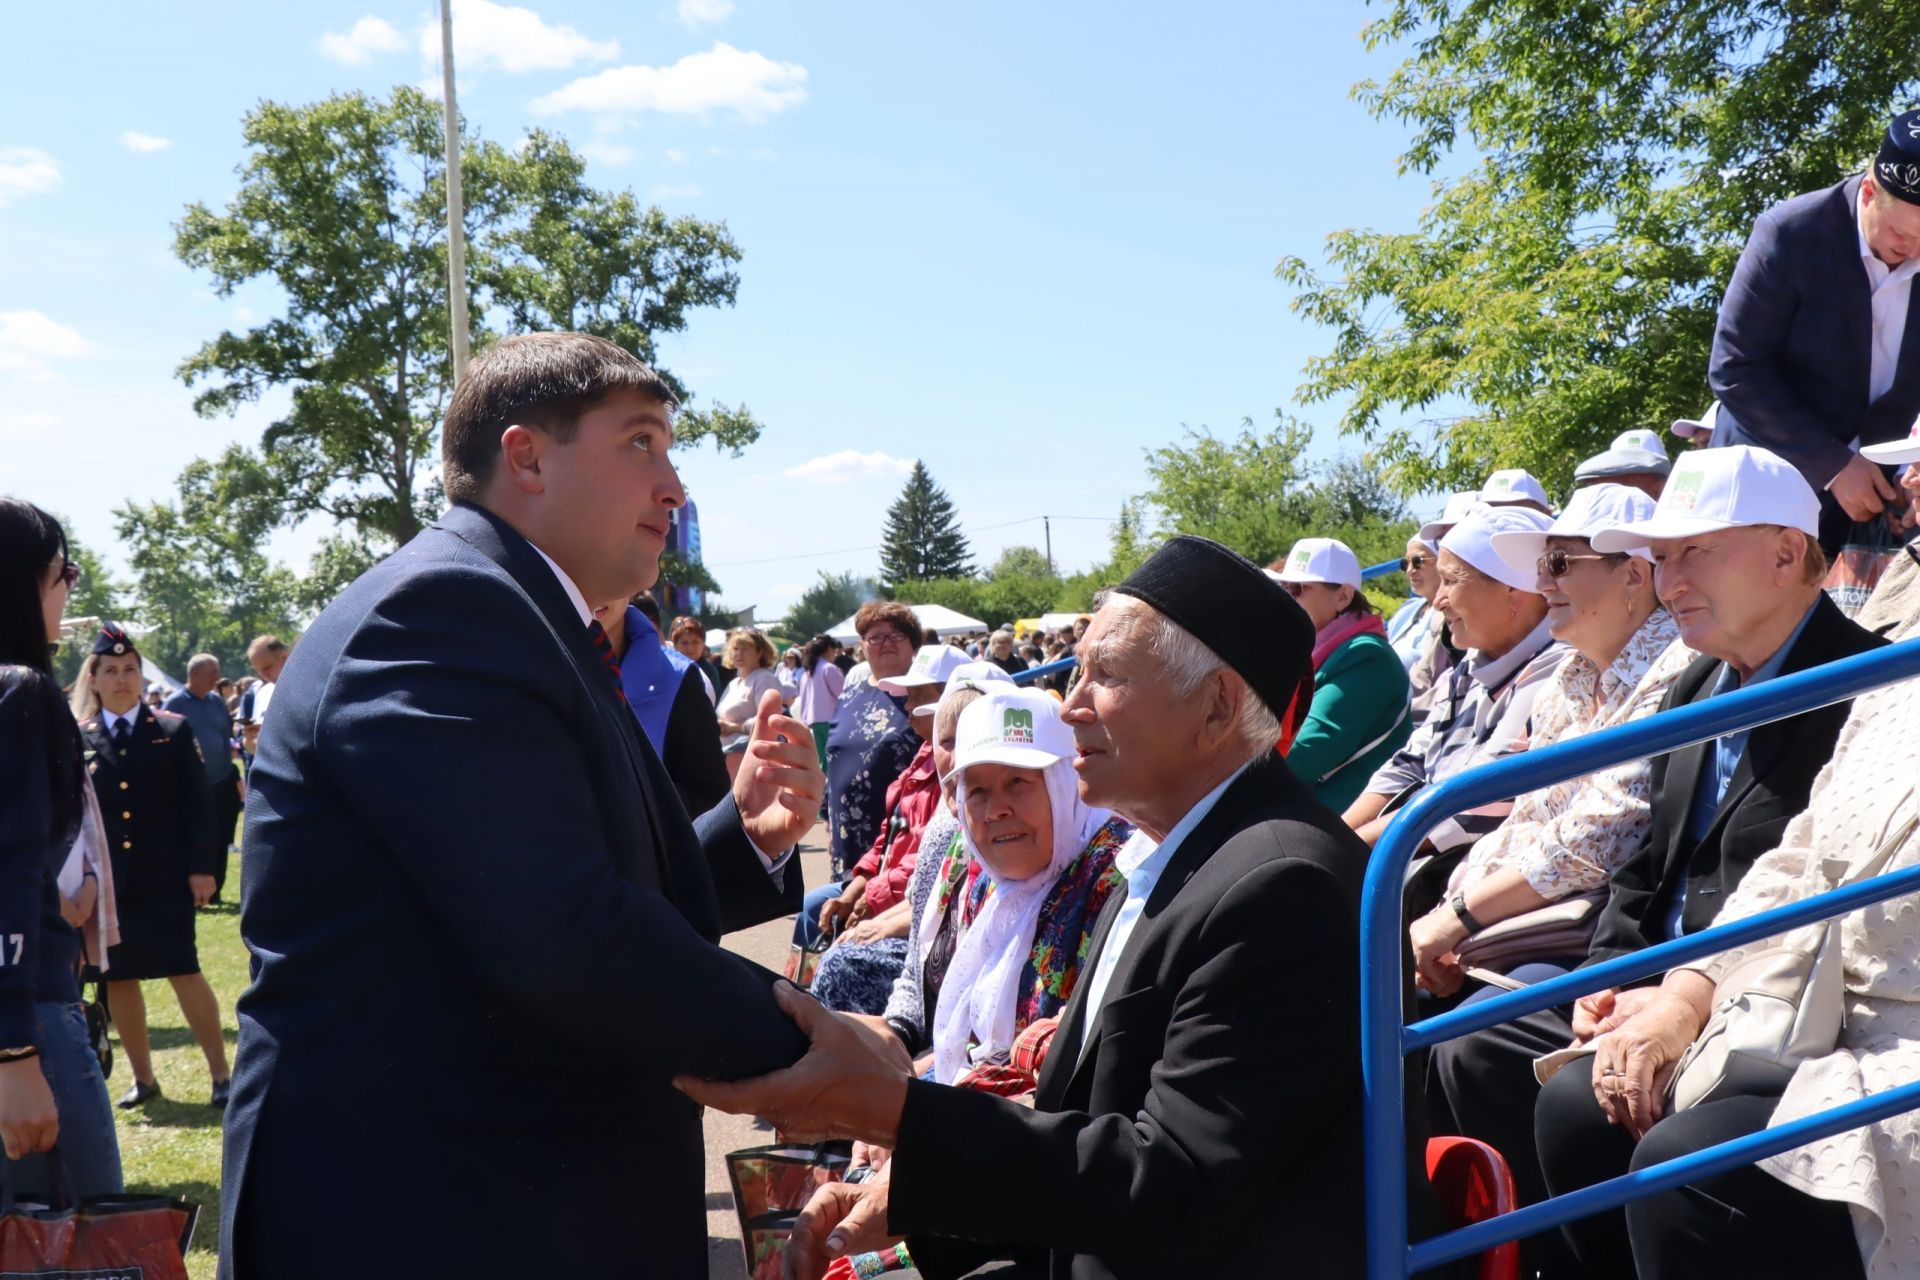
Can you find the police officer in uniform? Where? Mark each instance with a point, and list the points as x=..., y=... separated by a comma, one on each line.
x=147, y=771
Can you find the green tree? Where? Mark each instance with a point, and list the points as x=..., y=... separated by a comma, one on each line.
x=201, y=578
x=1128, y=546
x=98, y=594
x=1028, y=562
x=834, y=597
x=1565, y=286
x=923, y=538
x=341, y=207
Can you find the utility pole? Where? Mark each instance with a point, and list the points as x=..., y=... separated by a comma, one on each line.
x=1046, y=522
x=456, y=210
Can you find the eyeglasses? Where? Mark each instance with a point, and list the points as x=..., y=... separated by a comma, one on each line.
x=1558, y=564
x=879, y=637
x=1414, y=562
x=70, y=574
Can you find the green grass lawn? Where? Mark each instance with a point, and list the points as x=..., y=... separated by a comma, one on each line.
x=173, y=1144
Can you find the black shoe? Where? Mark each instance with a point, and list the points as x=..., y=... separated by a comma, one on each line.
x=220, y=1090
x=139, y=1096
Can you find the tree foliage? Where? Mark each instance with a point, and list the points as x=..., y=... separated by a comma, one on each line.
x=834, y=597
x=1256, y=494
x=1564, y=287
x=341, y=208
x=923, y=538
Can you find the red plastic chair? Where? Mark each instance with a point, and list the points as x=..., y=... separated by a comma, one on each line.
x=1473, y=1183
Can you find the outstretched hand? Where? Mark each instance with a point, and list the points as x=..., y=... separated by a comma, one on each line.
x=842, y=1218
x=779, y=785
x=852, y=1083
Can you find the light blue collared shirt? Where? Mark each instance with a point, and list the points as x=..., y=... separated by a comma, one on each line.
x=1142, y=862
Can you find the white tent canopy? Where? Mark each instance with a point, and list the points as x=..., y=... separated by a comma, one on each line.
x=937, y=616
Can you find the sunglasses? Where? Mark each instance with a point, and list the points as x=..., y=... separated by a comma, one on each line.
x=1558, y=564
x=1414, y=562
x=70, y=574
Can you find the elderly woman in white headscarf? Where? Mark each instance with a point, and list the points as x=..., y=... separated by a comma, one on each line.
x=1045, y=869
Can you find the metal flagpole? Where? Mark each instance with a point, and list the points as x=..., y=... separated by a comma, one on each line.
x=456, y=212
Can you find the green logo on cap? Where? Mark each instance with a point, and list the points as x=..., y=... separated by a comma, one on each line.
x=1300, y=559
x=1500, y=483
x=1017, y=727
x=1684, y=491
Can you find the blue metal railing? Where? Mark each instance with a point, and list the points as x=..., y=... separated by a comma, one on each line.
x=1065, y=664
x=1386, y=1039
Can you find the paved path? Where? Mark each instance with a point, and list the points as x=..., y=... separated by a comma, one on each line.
x=767, y=945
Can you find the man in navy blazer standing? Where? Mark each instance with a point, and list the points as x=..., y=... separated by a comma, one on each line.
x=1813, y=355
x=483, y=928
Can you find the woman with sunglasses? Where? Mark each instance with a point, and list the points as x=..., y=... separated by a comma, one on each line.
x=1360, y=714
x=1565, y=841
x=1410, y=631
x=50, y=1082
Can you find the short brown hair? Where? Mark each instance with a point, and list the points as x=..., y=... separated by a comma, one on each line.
x=890, y=611
x=684, y=625
x=761, y=645
x=545, y=381
x=265, y=644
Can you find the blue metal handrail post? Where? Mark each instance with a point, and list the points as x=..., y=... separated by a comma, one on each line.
x=1385, y=1039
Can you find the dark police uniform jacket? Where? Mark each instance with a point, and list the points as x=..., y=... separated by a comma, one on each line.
x=154, y=801
x=483, y=941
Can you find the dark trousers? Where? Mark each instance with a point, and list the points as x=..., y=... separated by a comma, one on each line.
x=1482, y=1086
x=1746, y=1223
x=226, y=814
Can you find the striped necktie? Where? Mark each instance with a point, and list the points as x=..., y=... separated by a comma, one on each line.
x=604, y=647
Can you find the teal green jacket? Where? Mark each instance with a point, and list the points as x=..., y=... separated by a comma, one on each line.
x=1359, y=698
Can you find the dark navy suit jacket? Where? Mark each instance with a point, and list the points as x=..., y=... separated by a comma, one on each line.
x=482, y=931
x=1793, y=344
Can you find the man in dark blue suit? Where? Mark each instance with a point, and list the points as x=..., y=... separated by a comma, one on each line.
x=482, y=927
x=1813, y=355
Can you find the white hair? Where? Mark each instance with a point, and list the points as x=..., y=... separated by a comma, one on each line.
x=200, y=660
x=1187, y=662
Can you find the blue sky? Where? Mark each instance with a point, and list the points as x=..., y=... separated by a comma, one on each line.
x=1021, y=242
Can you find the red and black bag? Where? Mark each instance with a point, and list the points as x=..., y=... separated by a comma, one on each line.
x=139, y=1237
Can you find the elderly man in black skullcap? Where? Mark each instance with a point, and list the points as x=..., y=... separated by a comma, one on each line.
x=1199, y=1110
x=1813, y=355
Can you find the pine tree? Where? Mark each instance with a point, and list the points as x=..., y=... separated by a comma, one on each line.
x=923, y=538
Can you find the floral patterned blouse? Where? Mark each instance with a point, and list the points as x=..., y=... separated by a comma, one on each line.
x=871, y=743
x=1067, y=917
x=1571, y=837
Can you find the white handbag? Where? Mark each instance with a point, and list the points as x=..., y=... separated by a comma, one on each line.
x=1778, y=1007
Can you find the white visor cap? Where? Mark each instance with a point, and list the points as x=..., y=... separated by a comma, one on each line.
x=1472, y=541
x=1732, y=487
x=1018, y=727
x=1327, y=560
x=1596, y=507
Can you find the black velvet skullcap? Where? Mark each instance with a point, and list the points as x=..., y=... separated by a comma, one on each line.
x=1230, y=605
x=113, y=639
x=1897, y=167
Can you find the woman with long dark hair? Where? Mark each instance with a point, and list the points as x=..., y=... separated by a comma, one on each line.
x=50, y=1082
x=820, y=685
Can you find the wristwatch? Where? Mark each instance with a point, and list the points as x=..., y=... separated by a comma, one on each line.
x=1459, y=904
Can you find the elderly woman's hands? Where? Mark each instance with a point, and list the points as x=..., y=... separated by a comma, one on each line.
x=1434, y=936
x=1633, y=1062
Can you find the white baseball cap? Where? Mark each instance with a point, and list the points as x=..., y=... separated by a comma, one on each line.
x=1686, y=428
x=1907, y=450
x=1457, y=508
x=1018, y=727
x=1726, y=488
x=1326, y=560
x=968, y=675
x=1598, y=506
x=1632, y=453
x=1472, y=541
x=932, y=664
x=1512, y=485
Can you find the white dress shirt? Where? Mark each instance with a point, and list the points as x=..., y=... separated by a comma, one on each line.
x=112, y=720
x=1142, y=862
x=1891, y=289
x=773, y=864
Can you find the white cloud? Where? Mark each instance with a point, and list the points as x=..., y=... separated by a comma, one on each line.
x=850, y=464
x=134, y=140
x=30, y=339
x=365, y=38
x=751, y=85
x=26, y=172
x=606, y=152
x=697, y=12
x=674, y=191
x=506, y=37
x=676, y=155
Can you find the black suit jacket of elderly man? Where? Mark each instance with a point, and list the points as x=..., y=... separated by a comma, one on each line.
x=1211, y=1127
x=1793, y=345
x=482, y=931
